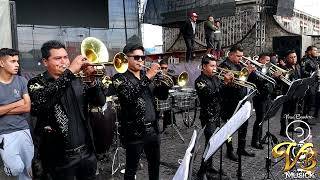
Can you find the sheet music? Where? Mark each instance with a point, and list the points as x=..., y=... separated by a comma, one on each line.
x=250, y=95
x=183, y=170
x=227, y=130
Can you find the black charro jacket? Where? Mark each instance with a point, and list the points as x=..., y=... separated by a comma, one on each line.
x=46, y=94
x=130, y=92
x=233, y=93
x=309, y=66
x=209, y=90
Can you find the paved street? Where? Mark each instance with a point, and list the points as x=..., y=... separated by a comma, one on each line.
x=173, y=149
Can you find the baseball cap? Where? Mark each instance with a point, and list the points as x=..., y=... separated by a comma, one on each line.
x=194, y=14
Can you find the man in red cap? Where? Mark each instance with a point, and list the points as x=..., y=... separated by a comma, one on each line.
x=188, y=30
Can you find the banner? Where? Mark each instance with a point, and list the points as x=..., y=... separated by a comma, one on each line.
x=5, y=25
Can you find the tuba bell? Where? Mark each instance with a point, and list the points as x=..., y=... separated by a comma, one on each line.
x=183, y=79
x=97, y=54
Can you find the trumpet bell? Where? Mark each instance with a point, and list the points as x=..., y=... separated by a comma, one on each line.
x=183, y=79
x=94, y=50
x=243, y=74
x=120, y=62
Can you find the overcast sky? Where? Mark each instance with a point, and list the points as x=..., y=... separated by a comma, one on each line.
x=309, y=6
x=152, y=35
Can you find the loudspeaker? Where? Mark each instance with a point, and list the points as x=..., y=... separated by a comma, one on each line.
x=282, y=44
x=279, y=7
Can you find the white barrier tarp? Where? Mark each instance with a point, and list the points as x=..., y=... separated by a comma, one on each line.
x=5, y=25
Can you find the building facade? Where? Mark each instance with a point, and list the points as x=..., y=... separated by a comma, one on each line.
x=31, y=37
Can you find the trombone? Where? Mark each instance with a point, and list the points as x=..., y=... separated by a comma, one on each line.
x=240, y=79
x=263, y=69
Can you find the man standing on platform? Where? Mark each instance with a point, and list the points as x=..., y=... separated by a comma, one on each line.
x=209, y=30
x=188, y=31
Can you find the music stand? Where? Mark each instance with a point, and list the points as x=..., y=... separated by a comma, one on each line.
x=218, y=139
x=241, y=102
x=116, y=156
x=195, y=151
x=185, y=169
x=271, y=112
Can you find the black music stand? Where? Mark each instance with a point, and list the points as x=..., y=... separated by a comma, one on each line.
x=241, y=102
x=116, y=162
x=268, y=138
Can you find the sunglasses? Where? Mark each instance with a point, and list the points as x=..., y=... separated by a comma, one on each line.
x=137, y=58
x=164, y=67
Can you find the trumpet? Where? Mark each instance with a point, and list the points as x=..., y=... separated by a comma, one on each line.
x=240, y=79
x=284, y=73
x=161, y=77
x=263, y=69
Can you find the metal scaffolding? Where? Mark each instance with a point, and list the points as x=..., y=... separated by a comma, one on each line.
x=260, y=27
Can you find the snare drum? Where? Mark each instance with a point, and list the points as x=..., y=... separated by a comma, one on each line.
x=184, y=100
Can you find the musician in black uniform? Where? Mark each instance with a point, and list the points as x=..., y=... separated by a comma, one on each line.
x=232, y=95
x=162, y=93
x=289, y=107
x=209, y=90
x=261, y=102
x=139, y=125
x=310, y=65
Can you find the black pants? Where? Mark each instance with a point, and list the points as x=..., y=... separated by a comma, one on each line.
x=217, y=45
x=317, y=104
x=167, y=119
x=261, y=107
x=242, y=133
x=82, y=165
x=151, y=146
x=208, y=131
x=190, y=46
x=289, y=109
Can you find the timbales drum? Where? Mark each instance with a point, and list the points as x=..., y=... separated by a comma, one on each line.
x=103, y=126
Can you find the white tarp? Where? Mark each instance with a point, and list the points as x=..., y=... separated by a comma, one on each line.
x=5, y=25
x=228, y=129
